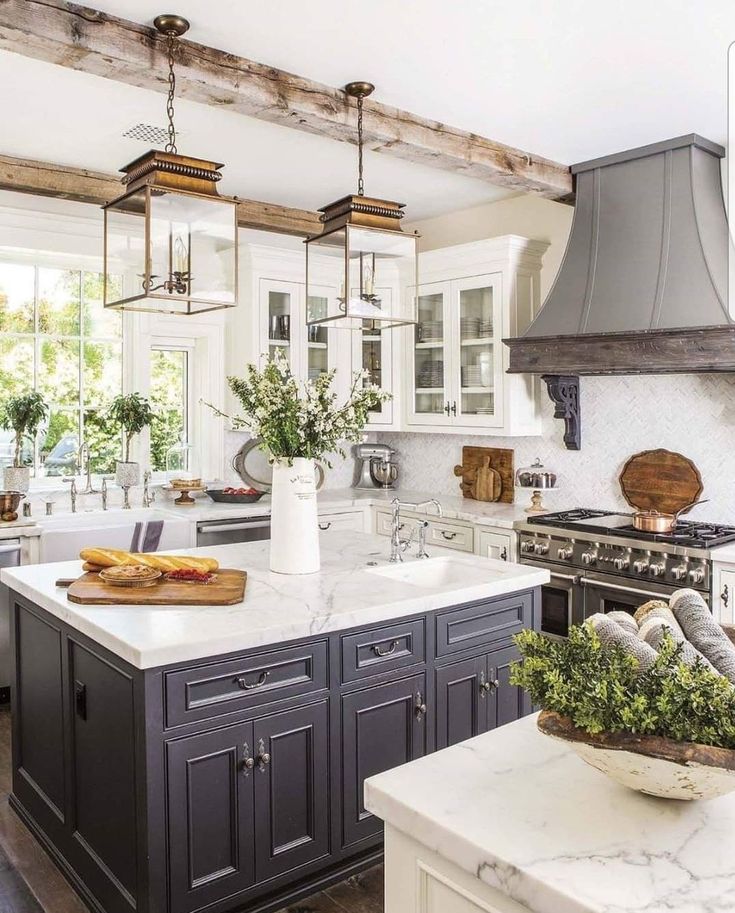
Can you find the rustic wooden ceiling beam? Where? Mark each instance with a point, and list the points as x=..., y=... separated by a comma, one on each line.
x=45, y=179
x=93, y=42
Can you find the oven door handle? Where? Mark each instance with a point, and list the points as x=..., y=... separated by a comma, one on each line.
x=575, y=578
x=586, y=581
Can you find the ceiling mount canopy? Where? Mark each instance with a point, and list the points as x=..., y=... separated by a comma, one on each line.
x=170, y=239
x=361, y=255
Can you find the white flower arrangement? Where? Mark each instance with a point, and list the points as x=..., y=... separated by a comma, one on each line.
x=296, y=419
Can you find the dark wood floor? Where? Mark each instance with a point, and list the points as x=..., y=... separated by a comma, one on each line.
x=31, y=883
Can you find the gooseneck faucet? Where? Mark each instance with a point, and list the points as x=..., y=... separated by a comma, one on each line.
x=398, y=545
x=148, y=496
x=73, y=493
x=84, y=453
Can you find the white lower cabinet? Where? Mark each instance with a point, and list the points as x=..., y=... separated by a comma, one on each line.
x=347, y=520
x=417, y=880
x=723, y=592
x=492, y=543
x=442, y=533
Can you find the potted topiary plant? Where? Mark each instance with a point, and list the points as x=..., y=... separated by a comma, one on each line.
x=132, y=412
x=23, y=414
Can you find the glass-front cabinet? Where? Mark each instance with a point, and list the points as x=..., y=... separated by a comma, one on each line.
x=372, y=352
x=473, y=296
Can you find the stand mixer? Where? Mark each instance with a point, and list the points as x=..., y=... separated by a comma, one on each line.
x=376, y=467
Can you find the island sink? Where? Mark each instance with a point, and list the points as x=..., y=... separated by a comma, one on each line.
x=179, y=759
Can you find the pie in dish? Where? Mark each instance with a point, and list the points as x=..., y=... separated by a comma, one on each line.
x=130, y=575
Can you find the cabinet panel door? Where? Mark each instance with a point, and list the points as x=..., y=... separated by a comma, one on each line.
x=509, y=702
x=291, y=789
x=461, y=702
x=210, y=818
x=279, y=319
x=382, y=727
x=38, y=739
x=103, y=739
x=496, y=545
x=429, y=373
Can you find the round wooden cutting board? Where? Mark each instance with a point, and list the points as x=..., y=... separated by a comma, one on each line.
x=660, y=480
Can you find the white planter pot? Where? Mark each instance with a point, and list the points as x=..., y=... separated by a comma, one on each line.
x=294, y=522
x=16, y=478
x=127, y=474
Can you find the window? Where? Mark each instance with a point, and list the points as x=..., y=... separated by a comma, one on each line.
x=169, y=396
x=56, y=337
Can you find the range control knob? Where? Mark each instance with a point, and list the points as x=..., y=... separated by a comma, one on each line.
x=696, y=575
x=527, y=548
x=641, y=565
x=679, y=572
x=621, y=562
x=541, y=548
x=565, y=552
x=589, y=557
x=657, y=568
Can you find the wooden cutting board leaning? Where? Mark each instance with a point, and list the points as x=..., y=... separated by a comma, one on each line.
x=660, y=480
x=486, y=474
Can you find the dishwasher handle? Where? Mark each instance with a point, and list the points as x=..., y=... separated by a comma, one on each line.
x=8, y=549
x=233, y=527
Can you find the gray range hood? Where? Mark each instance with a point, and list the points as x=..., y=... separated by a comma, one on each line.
x=643, y=285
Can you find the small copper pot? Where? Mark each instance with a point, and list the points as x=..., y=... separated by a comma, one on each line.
x=9, y=501
x=652, y=521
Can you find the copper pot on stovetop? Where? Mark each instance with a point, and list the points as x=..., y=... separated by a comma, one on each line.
x=9, y=501
x=653, y=521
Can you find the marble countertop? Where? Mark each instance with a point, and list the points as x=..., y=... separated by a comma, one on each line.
x=18, y=529
x=345, y=593
x=524, y=814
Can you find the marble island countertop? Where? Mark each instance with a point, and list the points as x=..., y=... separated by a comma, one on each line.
x=346, y=593
x=526, y=816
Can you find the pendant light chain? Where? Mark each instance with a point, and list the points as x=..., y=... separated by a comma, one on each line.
x=172, y=43
x=360, y=181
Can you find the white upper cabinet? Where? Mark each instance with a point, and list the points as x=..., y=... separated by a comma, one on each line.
x=473, y=295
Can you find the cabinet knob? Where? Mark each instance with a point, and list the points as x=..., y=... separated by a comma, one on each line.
x=419, y=706
x=264, y=758
x=248, y=762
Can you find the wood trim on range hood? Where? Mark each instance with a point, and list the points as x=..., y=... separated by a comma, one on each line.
x=643, y=285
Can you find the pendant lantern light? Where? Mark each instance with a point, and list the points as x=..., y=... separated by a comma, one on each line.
x=364, y=250
x=170, y=242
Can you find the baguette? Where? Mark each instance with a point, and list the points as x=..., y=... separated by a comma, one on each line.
x=112, y=557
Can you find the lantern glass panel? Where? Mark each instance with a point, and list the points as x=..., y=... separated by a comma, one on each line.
x=365, y=261
x=191, y=244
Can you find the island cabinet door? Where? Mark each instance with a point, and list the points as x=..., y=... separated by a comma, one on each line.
x=382, y=727
x=291, y=778
x=461, y=701
x=507, y=702
x=210, y=816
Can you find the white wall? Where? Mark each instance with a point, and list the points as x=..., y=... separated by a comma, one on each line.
x=694, y=415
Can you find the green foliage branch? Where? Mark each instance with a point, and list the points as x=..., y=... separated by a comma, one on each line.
x=132, y=412
x=23, y=414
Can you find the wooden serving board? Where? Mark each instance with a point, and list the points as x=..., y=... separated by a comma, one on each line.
x=227, y=589
x=660, y=480
x=477, y=470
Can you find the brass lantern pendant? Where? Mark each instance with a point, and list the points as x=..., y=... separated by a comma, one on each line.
x=363, y=254
x=170, y=239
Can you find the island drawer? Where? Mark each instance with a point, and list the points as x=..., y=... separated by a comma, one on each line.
x=212, y=690
x=382, y=649
x=483, y=623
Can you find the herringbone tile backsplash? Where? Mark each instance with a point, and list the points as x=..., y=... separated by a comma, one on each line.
x=691, y=414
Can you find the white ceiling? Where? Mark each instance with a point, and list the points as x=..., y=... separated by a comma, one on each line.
x=569, y=80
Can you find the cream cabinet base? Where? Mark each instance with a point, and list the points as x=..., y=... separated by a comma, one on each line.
x=420, y=881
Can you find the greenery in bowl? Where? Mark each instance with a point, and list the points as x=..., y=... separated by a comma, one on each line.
x=601, y=689
x=132, y=412
x=301, y=419
x=23, y=414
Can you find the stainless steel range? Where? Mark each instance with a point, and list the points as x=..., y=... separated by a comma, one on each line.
x=600, y=563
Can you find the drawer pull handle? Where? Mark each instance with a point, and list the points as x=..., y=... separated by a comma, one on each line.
x=324, y=526
x=248, y=686
x=448, y=536
x=263, y=759
x=419, y=707
x=378, y=651
x=248, y=762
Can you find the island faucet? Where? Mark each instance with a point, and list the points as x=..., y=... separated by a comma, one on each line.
x=398, y=545
x=148, y=496
x=104, y=494
x=72, y=492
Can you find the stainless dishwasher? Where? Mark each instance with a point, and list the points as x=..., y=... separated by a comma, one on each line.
x=9, y=557
x=224, y=532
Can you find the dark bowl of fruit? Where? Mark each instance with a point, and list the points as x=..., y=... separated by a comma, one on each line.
x=235, y=495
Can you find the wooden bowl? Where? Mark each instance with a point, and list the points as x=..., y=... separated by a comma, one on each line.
x=653, y=765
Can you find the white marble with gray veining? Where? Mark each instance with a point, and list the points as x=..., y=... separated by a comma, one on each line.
x=277, y=607
x=525, y=815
